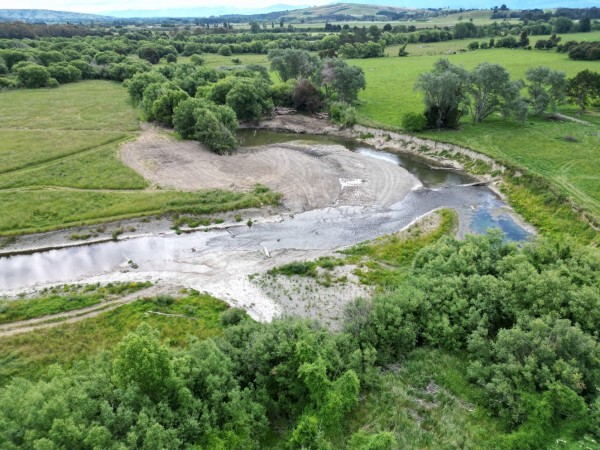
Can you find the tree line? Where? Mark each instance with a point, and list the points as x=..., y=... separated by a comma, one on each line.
x=206, y=104
x=450, y=92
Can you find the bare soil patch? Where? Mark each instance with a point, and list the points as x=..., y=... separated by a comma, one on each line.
x=309, y=176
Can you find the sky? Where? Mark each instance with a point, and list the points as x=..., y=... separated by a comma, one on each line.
x=99, y=6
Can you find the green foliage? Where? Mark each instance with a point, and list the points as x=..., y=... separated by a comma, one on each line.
x=294, y=64
x=343, y=114
x=213, y=125
x=149, y=53
x=282, y=94
x=137, y=84
x=546, y=88
x=342, y=79
x=225, y=50
x=249, y=99
x=33, y=76
x=65, y=73
x=583, y=88
x=443, y=93
x=414, y=122
x=490, y=90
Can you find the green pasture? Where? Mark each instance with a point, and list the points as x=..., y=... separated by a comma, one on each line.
x=60, y=166
x=538, y=144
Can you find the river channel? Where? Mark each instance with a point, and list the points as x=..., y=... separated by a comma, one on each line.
x=198, y=259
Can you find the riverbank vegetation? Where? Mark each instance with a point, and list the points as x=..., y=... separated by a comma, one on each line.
x=484, y=344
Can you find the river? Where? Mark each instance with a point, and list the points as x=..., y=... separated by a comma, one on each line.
x=212, y=260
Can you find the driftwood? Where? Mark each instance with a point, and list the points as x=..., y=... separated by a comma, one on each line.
x=322, y=115
x=281, y=111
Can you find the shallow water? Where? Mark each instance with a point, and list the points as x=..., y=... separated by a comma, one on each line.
x=478, y=209
x=430, y=176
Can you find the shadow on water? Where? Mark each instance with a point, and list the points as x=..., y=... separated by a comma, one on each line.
x=478, y=209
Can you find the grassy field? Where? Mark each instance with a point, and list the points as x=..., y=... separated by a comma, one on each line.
x=538, y=145
x=61, y=299
x=60, y=164
x=30, y=354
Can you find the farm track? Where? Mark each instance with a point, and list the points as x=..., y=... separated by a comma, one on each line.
x=50, y=161
x=76, y=315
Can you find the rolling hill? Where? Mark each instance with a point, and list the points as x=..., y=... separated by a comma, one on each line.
x=48, y=16
x=346, y=9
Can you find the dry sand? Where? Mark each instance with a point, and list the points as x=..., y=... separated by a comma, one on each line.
x=309, y=176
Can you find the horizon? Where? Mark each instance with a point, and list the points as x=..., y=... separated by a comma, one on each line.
x=105, y=6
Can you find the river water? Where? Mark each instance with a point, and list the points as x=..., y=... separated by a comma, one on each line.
x=478, y=209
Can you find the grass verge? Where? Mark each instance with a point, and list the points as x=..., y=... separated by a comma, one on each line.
x=63, y=299
x=30, y=354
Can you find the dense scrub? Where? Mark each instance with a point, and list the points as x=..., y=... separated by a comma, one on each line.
x=525, y=320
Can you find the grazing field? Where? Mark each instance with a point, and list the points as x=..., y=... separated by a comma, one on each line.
x=60, y=164
x=542, y=146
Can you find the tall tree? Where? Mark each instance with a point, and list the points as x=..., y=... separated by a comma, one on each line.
x=294, y=63
x=343, y=79
x=444, y=92
x=546, y=88
x=490, y=90
x=583, y=88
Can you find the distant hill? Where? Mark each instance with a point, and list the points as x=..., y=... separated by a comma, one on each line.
x=207, y=11
x=346, y=9
x=49, y=16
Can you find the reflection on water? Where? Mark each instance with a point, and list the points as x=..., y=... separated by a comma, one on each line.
x=430, y=176
x=478, y=209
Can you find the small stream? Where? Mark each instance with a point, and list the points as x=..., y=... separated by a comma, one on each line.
x=478, y=209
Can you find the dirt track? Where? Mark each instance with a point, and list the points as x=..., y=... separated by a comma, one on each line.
x=77, y=315
x=309, y=176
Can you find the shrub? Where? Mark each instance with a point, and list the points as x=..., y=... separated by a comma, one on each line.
x=225, y=50
x=33, y=76
x=197, y=60
x=282, y=94
x=7, y=83
x=53, y=83
x=307, y=97
x=414, y=122
x=343, y=114
x=474, y=45
x=211, y=124
x=65, y=73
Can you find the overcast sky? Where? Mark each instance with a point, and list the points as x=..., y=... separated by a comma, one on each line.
x=95, y=6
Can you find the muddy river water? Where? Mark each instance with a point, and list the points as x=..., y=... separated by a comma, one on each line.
x=216, y=260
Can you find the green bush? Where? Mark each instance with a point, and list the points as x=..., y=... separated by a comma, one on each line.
x=7, y=83
x=414, y=122
x=225, y=50
x=343, y=114
x=33, y=76
x=202, y=120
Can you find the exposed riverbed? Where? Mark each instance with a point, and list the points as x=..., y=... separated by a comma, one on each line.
x=220, y=261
